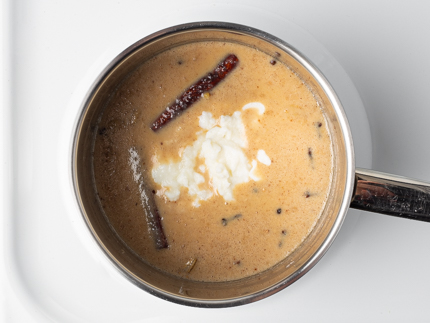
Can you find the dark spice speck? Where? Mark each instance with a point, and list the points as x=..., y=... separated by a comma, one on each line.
x=279, y=211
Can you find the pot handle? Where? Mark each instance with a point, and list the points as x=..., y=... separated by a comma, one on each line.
x=392, y=195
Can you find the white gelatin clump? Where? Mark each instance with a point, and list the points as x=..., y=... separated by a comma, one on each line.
x=220, y=144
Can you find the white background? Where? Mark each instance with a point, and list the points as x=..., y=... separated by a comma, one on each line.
x=50, y=268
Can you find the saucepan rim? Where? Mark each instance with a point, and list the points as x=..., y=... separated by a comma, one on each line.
x=343, y=122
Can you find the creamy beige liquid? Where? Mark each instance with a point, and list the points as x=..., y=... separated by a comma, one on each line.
x=277, y=212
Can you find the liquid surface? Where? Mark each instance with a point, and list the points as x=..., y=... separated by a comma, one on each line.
x=268, y=218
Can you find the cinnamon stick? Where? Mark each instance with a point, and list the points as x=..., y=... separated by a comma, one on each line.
x=195, y=92
x=153, y=218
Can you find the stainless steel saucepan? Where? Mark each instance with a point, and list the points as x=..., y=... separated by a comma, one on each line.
x=351, y=187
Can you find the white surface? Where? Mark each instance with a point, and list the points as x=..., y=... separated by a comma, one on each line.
x=51, y=270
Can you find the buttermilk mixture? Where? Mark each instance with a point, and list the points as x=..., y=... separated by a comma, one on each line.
x=238, y=180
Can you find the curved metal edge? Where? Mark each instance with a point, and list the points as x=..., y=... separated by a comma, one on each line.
x=231, y=27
